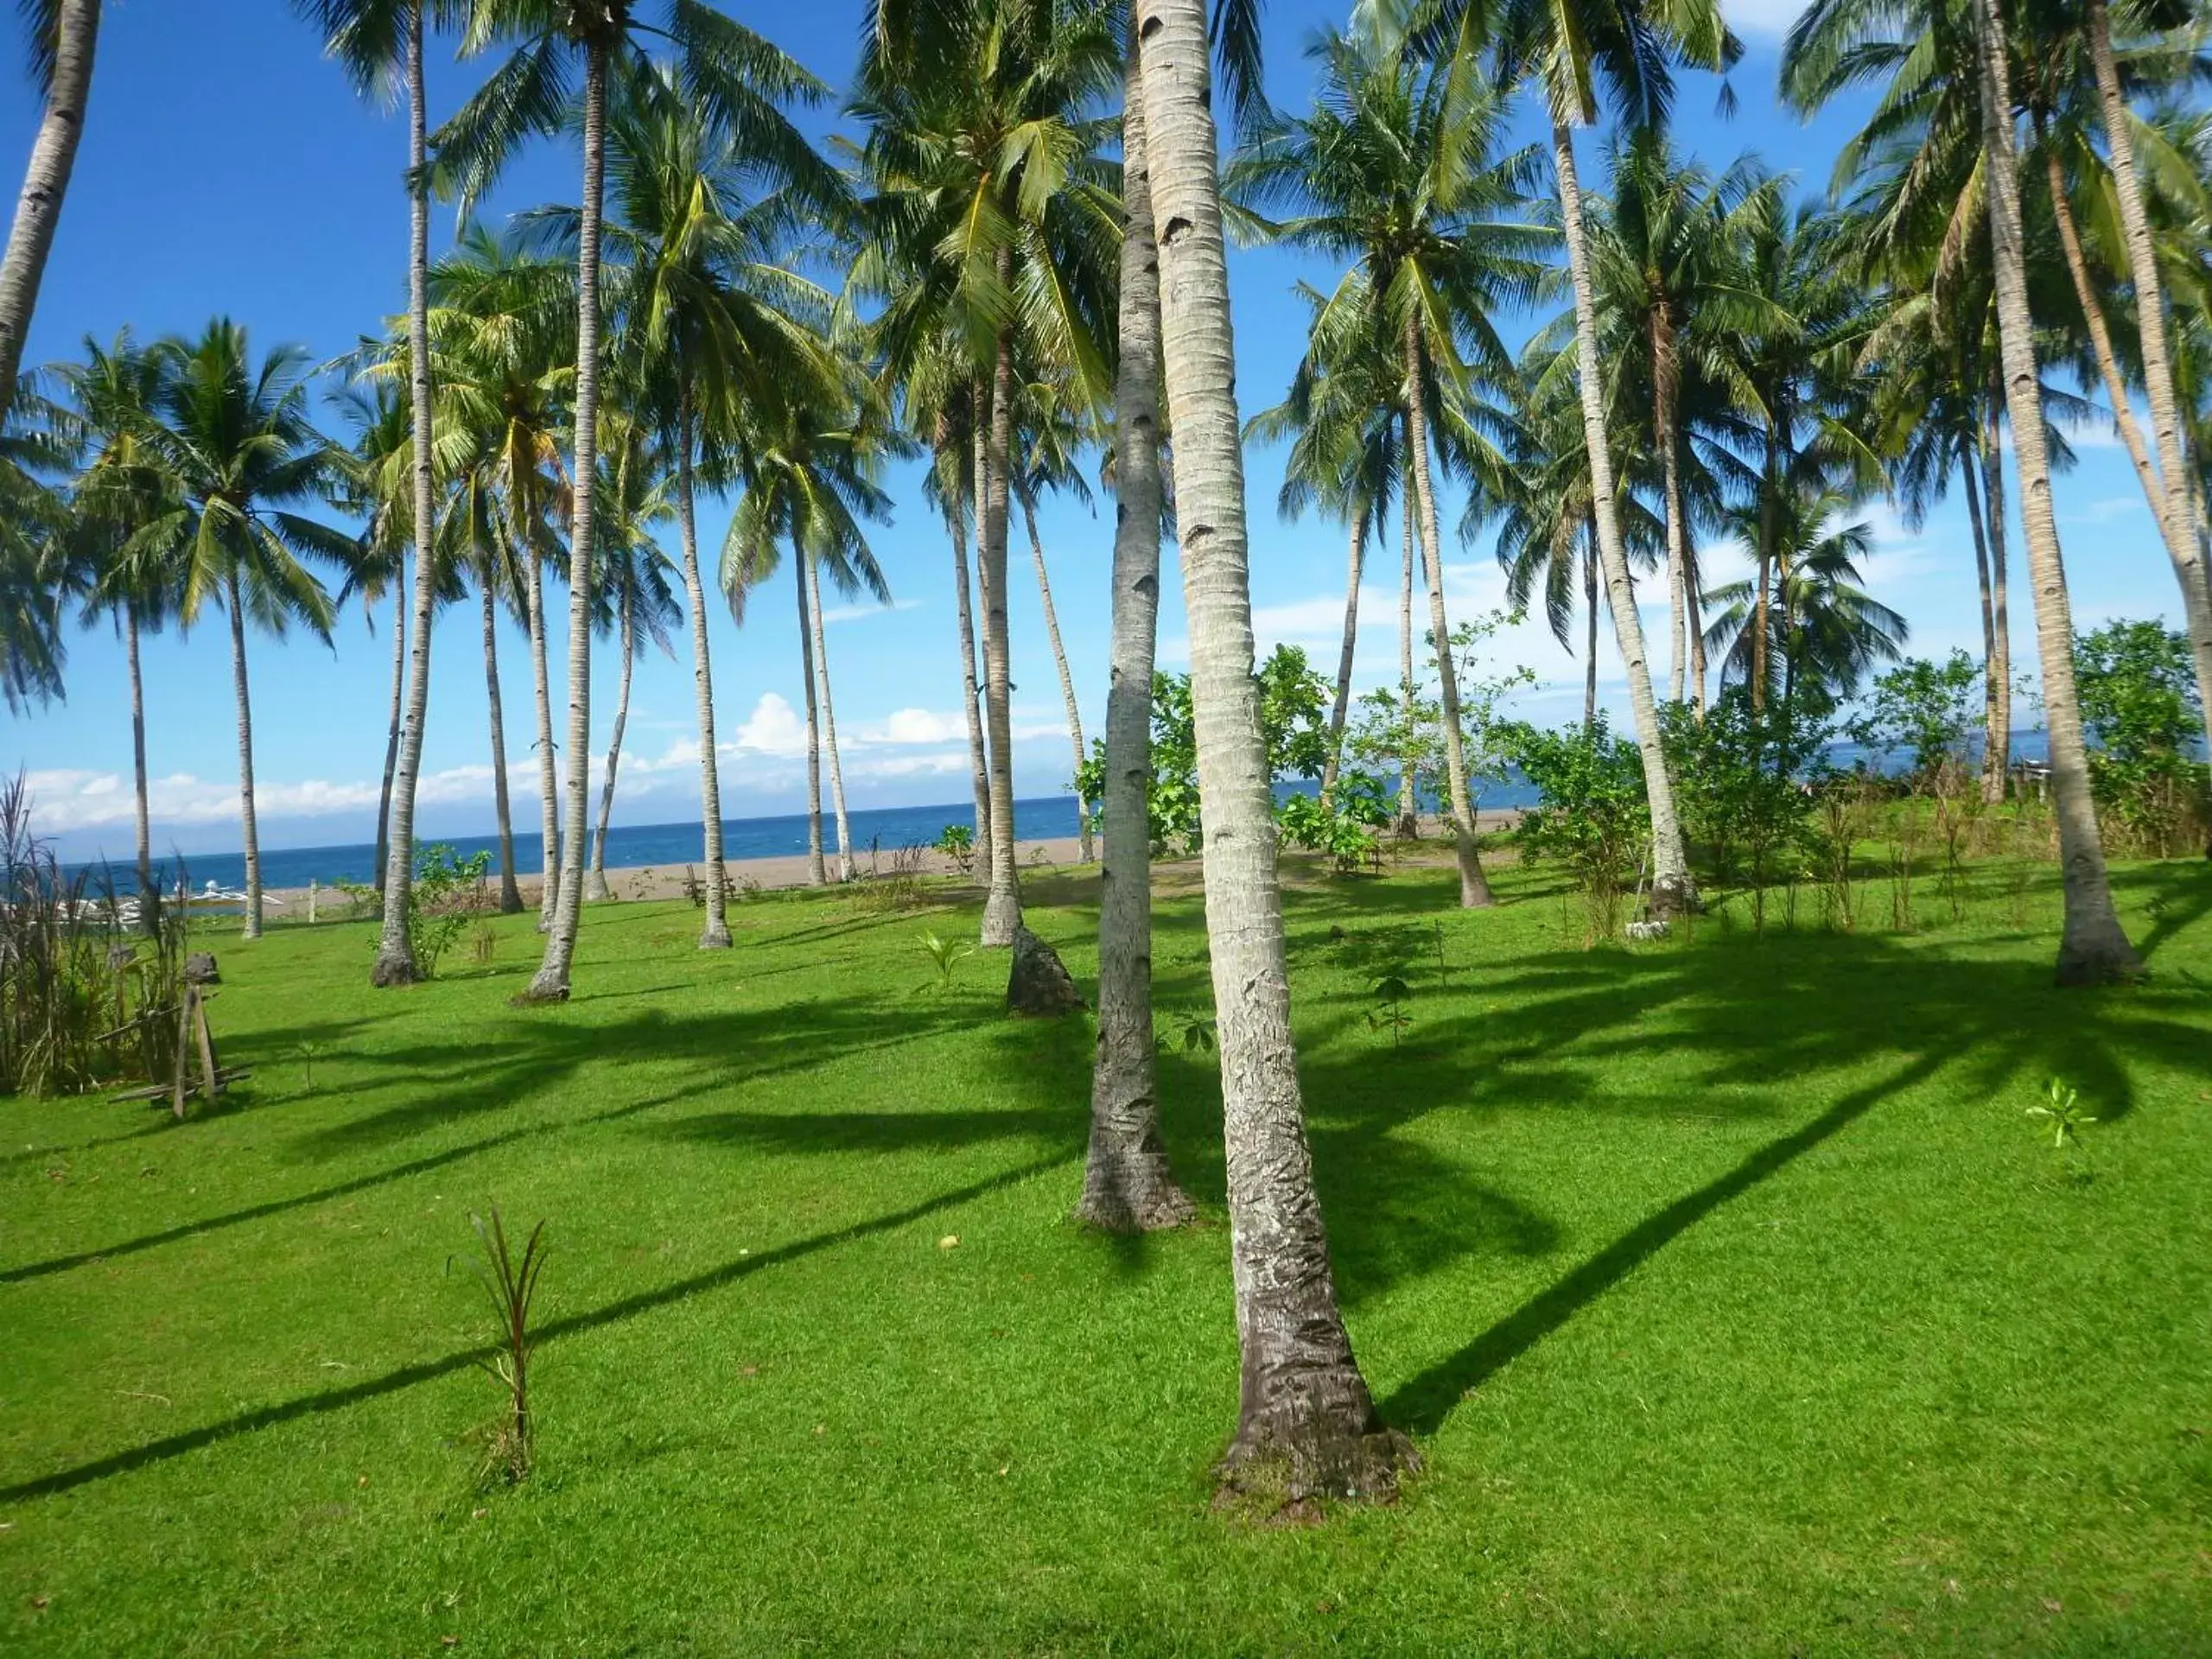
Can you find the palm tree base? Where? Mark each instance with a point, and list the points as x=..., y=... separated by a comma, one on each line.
x=714, y=937
x=595, y=888
x=1318, y=1438
x=393, y=968
x=1128, y=1188
x=2104, y=958
x=541, y=989
x=1673, y=896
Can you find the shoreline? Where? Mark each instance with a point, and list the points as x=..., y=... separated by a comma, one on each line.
x=646, y=883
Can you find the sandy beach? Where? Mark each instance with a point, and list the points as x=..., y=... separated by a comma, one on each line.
x=654, y=881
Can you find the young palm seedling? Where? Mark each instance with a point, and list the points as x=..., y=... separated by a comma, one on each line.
x=1389, y=1013
x=2060, y=1110
x=510, y=1282
x=944, y=956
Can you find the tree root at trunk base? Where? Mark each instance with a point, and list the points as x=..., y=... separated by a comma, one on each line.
x=2088, y=968
x=537, y=993
x=1673, y=896
x=1280, y=1482
x=714, y=939
x=392, y=971
x=1132, y=1191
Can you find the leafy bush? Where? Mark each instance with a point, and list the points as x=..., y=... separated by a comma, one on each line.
x=2138, y=694
x=1931, y=711
x=445, y=893
x=957, y=842
x=1740, y=777
x=1592, y=816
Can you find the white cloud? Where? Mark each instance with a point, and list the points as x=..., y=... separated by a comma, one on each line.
x=906, y=726
x=773, y=727
x=63, y=800
x=858, y=613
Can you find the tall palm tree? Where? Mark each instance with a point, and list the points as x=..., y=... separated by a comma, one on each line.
x=64, y=38
x=237, y=454
x=1567, y=47
x=1128, y=1183
x=1304, y=1403
x=990, y=220
x=1049, y=433
x=380, y=42
x=633, y=584
x=110, y=396
x=1398, y=166
x=719, y=66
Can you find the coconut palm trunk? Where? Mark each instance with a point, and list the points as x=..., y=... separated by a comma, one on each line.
x=1408, y=805
x=1304, y=1407
x=548, y=788
x=1474, y=887
x=713, y=933
x=46, y=182
x=509, y=895
x=1998, y=672
x=249, y=831
x=1003, y=898
x=830, y=724
x=1672, y=889
x=598, y=888
x=979, y=763
x=1666, y=381
x=1590, y=604
x=552, y=983
x=817, y=872
x=1993, y=769
x=1762, y=613
x=1342, y=707
x=1128, y=1185
x=395, y=963
x=2092, y=948
x=1060, y=662
x=149, y=900
x=392, y=731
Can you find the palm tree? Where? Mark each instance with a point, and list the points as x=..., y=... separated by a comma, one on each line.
x=633, y=584
x=1049, y=433
x=1128, y=1183
x=111, y=397
x=1567, y=49
x=1397, y=166
x=64, y=37
x=236, y=453
x=1304, y=1402
x=721, y=67
x=380, y=42
x=991, y=221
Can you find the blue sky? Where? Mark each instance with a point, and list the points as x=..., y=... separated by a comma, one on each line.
x=227, y=168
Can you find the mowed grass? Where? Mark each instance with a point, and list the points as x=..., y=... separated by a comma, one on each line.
x=1733, y=1300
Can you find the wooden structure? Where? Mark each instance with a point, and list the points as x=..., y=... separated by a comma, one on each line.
x=195, y=1042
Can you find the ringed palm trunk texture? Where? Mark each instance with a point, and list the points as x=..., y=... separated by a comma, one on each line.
x=1672, y=889
x=1342, y=708
x=395, y=963
x=1060, y=662
x=1590, y=603
x=2093, y=949
x=509, y=895
x=979, y=765
x=552, y=983
x=1762, y=613
x=149, y=900
x=250, y=832
x=1306, y=1421
x=1992, y=763
x=598, y=888
x=392, y=732
x=1408, y=806
x=1998, y=676
x=829, y=725
x=1474, y=887
x=713, y=933
x=549, y=789
x=1003, y=901
x=1666, y=371
x=1128, y=1185
x=817, y=872
x=46, y=182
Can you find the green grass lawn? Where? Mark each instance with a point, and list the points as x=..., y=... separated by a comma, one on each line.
x=1733, y=1301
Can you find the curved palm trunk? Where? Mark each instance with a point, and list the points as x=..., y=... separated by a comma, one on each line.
x=598, y=888
x=1992, y=763
x=713, y=933
x=1408, y=805
x=1128, y=1185
x=395, y=964
x=1692, y=594
x=1002, y=899
x=1590, y=603
x=1762, y=614
x=979, y=763
x=1474, y=888
x=817, y=872
x=1304, y=1403
x=1998, y=673
x=1339, y=709
x=391, y=733
x=1059, y=661
x=830, y=726
x=552, y=980
x=1672, y=890
x=46, y=182
x=1666, y=373
x=2170, y=502
x=248, y=830
x=509, y=895
x=549, y=789
x=2092, y=948
x=149, y=900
